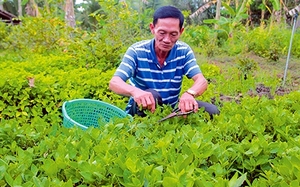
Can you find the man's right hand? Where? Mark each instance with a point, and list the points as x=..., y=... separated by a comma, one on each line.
x=144, y=99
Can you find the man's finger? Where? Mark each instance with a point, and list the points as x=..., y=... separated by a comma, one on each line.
x=148, y=102
x=138, y=102
x=182, y=106
x=144, y=103
x=152, y=103
x=188, y=106
x=196, y=106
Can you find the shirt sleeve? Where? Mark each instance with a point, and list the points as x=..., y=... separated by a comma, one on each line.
x=191, y=68
x=128, y=65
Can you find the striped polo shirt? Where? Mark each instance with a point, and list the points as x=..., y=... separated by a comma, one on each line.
x=141, y=67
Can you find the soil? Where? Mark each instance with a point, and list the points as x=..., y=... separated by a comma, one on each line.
x=291, y=82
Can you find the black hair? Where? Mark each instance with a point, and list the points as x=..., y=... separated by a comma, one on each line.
x=168, y=12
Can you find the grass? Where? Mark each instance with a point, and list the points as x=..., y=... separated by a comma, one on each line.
x=268, y=72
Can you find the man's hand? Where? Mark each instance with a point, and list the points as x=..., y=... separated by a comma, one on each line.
x=187, y=103
x=144, y=99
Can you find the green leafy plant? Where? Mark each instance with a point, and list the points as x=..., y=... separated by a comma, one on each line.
x=231, y=20
x=38, y=35
x=246, y=66
x=253, y=142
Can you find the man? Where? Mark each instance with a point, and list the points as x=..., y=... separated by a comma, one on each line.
x=155, y=69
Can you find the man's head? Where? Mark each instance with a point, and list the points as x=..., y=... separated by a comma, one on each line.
x=167, y=26
x=168, y=12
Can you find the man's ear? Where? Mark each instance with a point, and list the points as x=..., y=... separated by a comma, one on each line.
x=151, y=26
x=181, y=31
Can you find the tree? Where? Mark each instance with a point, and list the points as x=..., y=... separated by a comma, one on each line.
x=10, y=6
x=69, y=13
x=32, y=9
x=20, y=7
x=1, y=5
x=88, y=13
x=218, y=12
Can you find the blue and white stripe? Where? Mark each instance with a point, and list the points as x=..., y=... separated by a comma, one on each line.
x=142, y=68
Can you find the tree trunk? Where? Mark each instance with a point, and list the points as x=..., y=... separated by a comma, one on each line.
x=69, y=13
x=236, y=4
x=277, y=16
x=249, y=19
x=262, y=19
x=20, y=7
x=218, y=12
x=32, y=9
x=1, y=5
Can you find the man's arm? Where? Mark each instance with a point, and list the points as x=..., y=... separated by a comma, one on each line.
x=200, y=84
x=117, y=85
x=187, y=101
x=142, y=98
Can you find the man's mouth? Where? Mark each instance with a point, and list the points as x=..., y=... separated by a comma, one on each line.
x=166, y=46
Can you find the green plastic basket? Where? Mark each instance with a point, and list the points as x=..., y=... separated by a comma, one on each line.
x=88, y=112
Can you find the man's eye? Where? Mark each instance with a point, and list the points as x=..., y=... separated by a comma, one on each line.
x=174, y=34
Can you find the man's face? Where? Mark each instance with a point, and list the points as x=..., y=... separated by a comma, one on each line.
x=166, y=32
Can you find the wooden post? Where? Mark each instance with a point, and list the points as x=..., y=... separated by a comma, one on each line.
x=218, y=12
x=19, y=8
x=69, y=13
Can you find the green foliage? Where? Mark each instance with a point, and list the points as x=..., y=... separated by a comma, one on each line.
x=117, y=29
x=37, y=34
x=210, y=71
x=231, y=20
x=236, y=44
x=196, y=35
x=246, y=144
x=261, y=42
x=253, y=142
x=55, y=80
x=242, y=41
x=103, y=47
x=203, y=40
x=3, y=33
x=246, y=66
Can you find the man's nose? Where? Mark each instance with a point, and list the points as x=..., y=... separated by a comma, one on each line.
x=167, y=39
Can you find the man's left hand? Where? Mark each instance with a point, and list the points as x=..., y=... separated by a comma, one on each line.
x=187, y=103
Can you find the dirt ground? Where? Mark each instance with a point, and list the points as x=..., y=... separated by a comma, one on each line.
x=291, y=83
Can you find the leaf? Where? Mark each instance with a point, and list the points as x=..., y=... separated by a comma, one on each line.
x=159, y=168
x=223, y=21
x=68, y=183
x=24, y=2
x=34, y=169
x=9, y=179
x=210, y=21
x=294, y=183
x=131, y=143
x=50, y=167
x=116, y=170
x=131, y=165
x=276, y=4
x=87, y=176
x=186, y=162
x=3, y=167
x=295, y=161
x=18, y=181
x=230, y=9
x=37, y=181
x=236, y=182
x=170, y=182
